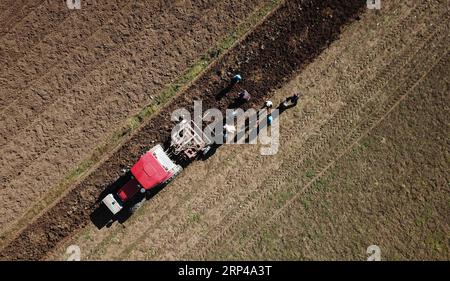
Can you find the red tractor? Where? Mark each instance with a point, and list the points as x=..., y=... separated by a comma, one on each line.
x=156, y=168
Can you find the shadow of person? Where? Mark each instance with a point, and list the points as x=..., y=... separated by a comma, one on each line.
x=224, y=92
x=211, y=151
x=237, y=103
x=234, y=81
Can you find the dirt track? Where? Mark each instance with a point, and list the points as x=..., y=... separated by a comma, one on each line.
x=285, y=43
x=363, y=160
x=66, y=76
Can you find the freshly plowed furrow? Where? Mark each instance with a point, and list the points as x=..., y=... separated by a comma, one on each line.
x=317, y=145
x=326, y=154
x=88, y=126
x=44, y=61
x=276, y=60
x=57, y=147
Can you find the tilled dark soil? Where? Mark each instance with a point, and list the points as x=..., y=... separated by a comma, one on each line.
x=288, y=40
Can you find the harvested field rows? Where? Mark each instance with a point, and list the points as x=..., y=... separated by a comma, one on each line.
x=399, y=204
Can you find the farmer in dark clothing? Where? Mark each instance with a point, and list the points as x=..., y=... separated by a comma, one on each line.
x=289, y=102
x=242, y=98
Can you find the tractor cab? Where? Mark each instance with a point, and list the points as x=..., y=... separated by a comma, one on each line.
x=152, y=169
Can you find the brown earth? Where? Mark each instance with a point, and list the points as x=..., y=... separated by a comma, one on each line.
x=363, y=160
x=68, y=79
x=287, y=41
x=14, y=11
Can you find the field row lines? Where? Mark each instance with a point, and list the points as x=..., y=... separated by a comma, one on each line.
x=28, y=50
x=356, y=137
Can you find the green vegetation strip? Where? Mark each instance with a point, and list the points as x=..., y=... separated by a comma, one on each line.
x=134, y=122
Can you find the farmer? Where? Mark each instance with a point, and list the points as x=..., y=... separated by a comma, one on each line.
x=289, y=102
x=235, y=79
x=269, y=119
x=244, y=96
x=268, y=104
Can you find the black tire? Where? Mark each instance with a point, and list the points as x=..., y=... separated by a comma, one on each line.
x=206, y=150
x=136, y=206
x=109, y=223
